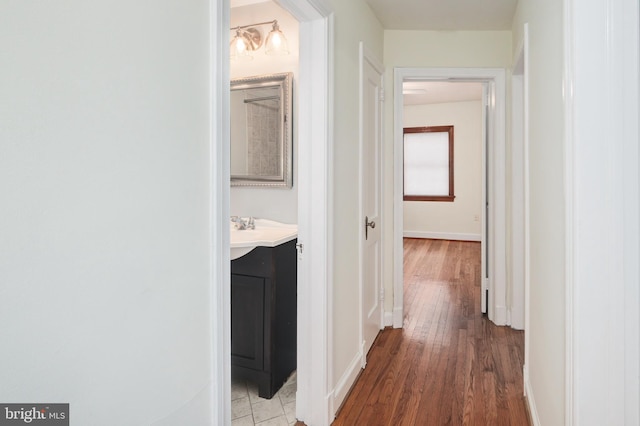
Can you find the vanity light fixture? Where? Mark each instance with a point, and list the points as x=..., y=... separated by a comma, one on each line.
x=248, y=38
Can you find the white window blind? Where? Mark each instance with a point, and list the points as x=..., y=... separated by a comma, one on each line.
x=426, y=164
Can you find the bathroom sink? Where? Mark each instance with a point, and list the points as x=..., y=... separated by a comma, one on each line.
x=267, y=233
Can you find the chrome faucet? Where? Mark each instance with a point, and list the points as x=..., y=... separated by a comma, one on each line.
x=240, y=223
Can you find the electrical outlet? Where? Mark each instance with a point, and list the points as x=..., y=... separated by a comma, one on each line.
x=476, y=218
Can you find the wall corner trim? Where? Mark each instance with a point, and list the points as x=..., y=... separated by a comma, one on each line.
x=501, y=315
x=397, y=317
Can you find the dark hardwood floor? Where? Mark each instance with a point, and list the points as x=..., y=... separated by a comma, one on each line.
x=449, y=365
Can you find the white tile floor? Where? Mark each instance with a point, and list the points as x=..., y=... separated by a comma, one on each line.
x=248, y=409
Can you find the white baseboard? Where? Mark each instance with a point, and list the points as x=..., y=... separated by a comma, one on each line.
x=531, y=402
x=346, y=381
x=388, y=319
x=442, y=236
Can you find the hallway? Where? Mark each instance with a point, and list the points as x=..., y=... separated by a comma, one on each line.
x=449, y=364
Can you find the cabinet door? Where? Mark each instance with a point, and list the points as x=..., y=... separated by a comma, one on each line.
x=247, y=321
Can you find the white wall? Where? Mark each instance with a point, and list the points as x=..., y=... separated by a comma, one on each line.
x=546, y=364
x=105, y=251
x=475, y=49
x=459, y=219
x=354, y=22
x=279, y=204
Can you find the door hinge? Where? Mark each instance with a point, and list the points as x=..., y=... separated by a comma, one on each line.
x=382, y=94
x=300, y=247
x=382, y=295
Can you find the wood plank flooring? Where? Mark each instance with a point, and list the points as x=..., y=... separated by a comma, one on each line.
x=449, y=365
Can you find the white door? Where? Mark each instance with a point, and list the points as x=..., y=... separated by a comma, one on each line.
x=371, y=97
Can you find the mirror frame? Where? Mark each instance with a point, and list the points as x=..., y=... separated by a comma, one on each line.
x=284, y=82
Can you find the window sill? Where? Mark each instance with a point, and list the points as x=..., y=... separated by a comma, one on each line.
x=448, y=198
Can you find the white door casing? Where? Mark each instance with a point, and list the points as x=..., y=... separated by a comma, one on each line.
x=602, y=208
x=486, y=208
x=519, y=185
x=371, y=98
x=314, y=361
x=220, y=278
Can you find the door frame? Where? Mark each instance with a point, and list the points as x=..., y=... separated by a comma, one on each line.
x=219, y=163
x=519, y=212
x=315, y=123
x=315, y=195
x=497, y=283
x=602, y=211
x=365, y=55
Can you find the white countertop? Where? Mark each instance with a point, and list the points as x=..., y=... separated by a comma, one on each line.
x=267, y=233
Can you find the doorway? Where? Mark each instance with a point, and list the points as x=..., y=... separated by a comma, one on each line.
x=494, y=198
x=264, y=173
x=445, y=134
x=314, y=293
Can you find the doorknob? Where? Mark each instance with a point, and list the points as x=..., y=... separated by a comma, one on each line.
x=368, y=224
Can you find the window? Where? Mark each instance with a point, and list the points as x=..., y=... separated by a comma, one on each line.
x=428, y=163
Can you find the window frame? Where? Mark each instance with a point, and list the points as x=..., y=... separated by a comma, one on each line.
x=432, y=129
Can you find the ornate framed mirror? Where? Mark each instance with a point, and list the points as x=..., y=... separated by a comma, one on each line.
x=261, y=131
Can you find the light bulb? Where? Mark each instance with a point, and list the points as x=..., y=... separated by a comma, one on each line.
x=238, y=48
x=276, y=42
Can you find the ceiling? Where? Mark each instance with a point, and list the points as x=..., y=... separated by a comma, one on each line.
x=422, y=92
x=239, y=3
x=424, y=15
x=458, y=15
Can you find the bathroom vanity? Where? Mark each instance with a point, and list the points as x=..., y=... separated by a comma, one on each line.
x=264, y=315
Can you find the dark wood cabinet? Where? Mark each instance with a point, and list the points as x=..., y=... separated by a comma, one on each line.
x=263, y=316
